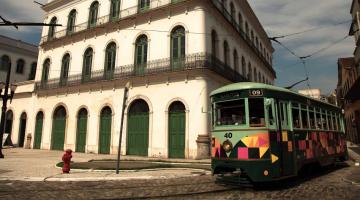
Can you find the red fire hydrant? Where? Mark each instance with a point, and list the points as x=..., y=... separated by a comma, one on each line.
x=67, y=159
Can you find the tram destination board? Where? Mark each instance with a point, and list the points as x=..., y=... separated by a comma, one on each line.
x=256, y=93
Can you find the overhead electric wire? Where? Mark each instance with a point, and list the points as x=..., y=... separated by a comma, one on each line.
x=309, y=30
x=326, y=48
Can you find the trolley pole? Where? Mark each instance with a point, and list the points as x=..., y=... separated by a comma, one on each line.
x=126, y=91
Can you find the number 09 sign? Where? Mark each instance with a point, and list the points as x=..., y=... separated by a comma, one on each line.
x=256, y=93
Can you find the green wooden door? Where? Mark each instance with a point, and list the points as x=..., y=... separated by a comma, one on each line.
x=58, y=129
x=177, y=135
x=105, y=131
x=8, y=126
x=81, y=131
x=22, y=130
x=58, y=133
x=138, y=134
x=38, y=130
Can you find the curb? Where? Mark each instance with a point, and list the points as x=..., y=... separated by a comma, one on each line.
x=133, y=170
x=351, y=182
x=104, y=178
x=353, y=155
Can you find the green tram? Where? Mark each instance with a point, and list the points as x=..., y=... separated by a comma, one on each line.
x=263, y=133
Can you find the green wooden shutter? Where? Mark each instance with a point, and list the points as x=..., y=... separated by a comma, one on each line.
x=141, y=55
x=178, y=47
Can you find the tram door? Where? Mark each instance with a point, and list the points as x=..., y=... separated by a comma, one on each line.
x=273, y=119
x=287, y=139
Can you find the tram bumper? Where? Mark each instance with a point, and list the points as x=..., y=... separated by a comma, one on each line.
x=254, y=170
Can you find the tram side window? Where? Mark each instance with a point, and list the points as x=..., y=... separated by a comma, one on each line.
x=312, y=118
x=334, y=121
x=304, y=119
x=338, y=127
x=231, y=113
x=318, y=119
x=338, y=118
x=256, y=112
x=296, y=117
x=271, y=116
x=330, y=120
x=324, y=120
x=341, y=125
x=284, y=115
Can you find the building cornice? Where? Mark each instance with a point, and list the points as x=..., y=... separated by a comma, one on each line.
x=352, y=6
x=258, y=24
x=55, y=4
x=19, y=50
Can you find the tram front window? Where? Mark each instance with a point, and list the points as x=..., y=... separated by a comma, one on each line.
x=231, y=113
x=256, y=112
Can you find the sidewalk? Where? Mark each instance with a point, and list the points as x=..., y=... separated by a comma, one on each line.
x=39, y=165
x=354, y=152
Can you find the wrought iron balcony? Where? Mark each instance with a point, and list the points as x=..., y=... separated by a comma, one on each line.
x=123, y=14
x=198, y=61
x=220, y=7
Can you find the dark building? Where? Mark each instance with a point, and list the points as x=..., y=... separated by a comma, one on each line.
x=346, y=96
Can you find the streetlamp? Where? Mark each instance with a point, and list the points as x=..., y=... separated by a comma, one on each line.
x=5, y=96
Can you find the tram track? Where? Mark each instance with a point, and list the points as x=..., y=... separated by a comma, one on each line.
x=125, y=190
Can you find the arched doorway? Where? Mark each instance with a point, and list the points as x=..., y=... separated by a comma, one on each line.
x=22, y=129
x=58, y=129
x=138, y=128
x=81, y=130
x=177, y=123
x=105, y=130
x=8, y=126
x=38, y=130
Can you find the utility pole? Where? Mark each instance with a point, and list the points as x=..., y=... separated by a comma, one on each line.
x=126, y=91
x=5, y=97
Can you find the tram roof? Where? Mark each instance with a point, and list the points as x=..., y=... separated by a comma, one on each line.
x=252, y=85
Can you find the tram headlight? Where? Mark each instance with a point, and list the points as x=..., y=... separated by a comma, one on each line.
x=227, y=145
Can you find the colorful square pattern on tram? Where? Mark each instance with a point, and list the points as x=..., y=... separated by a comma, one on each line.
x=317, y=144
x=254, y=146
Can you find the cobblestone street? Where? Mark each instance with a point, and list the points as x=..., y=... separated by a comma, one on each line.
x=329, y=184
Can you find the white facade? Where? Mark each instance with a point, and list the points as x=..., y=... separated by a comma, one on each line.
x=314, y=93
x=23, y=58
x=161, y=81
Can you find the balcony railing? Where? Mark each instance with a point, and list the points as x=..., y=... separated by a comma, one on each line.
x=220, y=6
x=125, y=13
x=199, y=61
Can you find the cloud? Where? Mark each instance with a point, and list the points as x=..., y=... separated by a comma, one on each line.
x=22, y=11
x=281, y=17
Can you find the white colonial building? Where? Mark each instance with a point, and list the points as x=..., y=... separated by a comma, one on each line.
x=22, y=57
x=173, y=53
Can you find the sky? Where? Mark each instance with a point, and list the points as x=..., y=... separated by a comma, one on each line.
x=278, y=17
